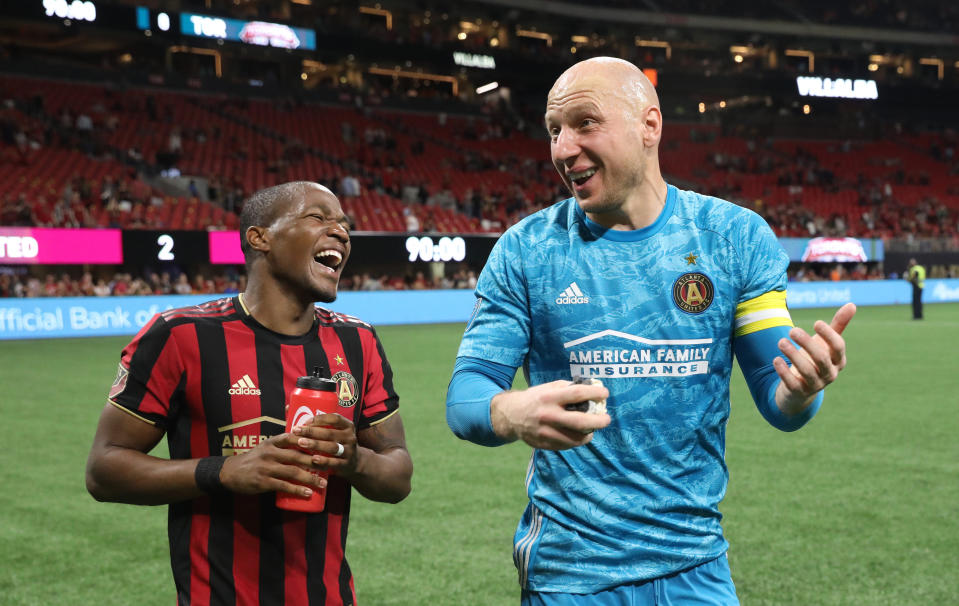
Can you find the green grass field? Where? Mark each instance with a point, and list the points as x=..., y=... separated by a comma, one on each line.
x=859, y=507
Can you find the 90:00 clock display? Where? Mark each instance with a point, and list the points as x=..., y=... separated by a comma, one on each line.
x=447, y=249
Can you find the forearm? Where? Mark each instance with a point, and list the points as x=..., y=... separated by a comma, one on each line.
x=382, y=476
x=470, y=413
x=123, y=475
x=755, y=353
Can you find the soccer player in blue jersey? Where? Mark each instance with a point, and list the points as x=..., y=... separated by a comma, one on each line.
x=651, y=290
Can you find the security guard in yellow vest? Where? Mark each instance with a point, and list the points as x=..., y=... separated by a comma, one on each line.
x=916, y=277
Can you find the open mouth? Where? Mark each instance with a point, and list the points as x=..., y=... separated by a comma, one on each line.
x=580, y=178
x=330, y=260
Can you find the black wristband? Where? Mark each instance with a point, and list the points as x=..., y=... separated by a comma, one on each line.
x=207, y=475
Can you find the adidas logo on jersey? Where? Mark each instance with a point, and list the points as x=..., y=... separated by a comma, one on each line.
x=244, y=387
x=572, y=296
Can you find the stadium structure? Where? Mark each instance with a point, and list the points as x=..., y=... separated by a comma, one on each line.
x=159, y=118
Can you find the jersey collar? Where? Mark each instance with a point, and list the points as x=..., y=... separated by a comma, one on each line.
x=635, y=234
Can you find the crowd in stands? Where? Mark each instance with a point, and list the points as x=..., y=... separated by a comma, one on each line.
x=124, y=284
x=121, y=283
x=823, y=272
x=379, y=152
x=890, y=14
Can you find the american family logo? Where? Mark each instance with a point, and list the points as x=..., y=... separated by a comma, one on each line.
x=619, y=355
x=237, y=439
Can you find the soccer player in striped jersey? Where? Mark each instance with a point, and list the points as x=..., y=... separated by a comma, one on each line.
x=651, y=290
x=215, y=379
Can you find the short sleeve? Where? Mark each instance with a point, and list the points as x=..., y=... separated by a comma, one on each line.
x=149, y=375
x=499, y=330
x=380, y=399
x=763, y=259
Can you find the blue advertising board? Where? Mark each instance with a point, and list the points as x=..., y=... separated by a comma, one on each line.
x=109, y=316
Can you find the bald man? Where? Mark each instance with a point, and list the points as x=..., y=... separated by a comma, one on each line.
x=624, y=305
x=215, y=378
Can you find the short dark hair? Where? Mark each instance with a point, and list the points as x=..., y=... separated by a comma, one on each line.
x=263, y=207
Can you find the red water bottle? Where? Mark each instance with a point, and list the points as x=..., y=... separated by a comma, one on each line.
x=313, y=396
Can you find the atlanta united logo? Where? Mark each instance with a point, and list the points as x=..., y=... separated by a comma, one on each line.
x=346, y=389
x=693, y=292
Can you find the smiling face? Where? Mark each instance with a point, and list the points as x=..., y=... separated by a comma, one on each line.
x=597, y=118
x=309, y=243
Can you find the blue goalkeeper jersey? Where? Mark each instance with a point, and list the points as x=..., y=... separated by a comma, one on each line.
x=651, y=313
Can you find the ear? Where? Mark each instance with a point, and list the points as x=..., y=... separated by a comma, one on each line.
x=653, y=123
x=258, y=238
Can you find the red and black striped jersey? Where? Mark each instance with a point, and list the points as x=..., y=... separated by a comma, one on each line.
x=217, y=382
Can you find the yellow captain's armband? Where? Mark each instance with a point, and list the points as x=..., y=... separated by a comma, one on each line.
x=765, y=311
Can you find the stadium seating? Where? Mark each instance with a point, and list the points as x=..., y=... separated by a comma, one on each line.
x=256, y=143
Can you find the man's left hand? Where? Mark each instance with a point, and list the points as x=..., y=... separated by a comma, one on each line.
x=324, y=435
x=815, y=364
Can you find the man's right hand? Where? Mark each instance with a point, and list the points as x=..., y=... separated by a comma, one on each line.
x=538, y=415
x=273, y=465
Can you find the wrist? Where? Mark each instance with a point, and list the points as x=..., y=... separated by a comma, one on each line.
x=361, y=467
x=792, y=403
x=499, y=419
x=207, y=475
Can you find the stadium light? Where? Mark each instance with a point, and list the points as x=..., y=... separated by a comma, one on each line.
x=809, y=55
x=217, y=58
x=528, y=33
x=873, y=67
x=487, y=88
x=806, y=109
x=369, y=10
x=656, y=44
x=398, y=73
x=939, y=63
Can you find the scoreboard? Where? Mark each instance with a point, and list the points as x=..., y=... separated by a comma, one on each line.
x=158, y=22
x=43, y=246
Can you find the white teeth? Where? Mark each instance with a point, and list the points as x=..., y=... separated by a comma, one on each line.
x=329, y=253
x=589, y=172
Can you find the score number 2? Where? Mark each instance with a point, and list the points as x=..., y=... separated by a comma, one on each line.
x=165, y=242
x=447, y=249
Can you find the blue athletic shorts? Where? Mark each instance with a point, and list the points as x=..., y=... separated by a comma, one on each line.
x=708, y=584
